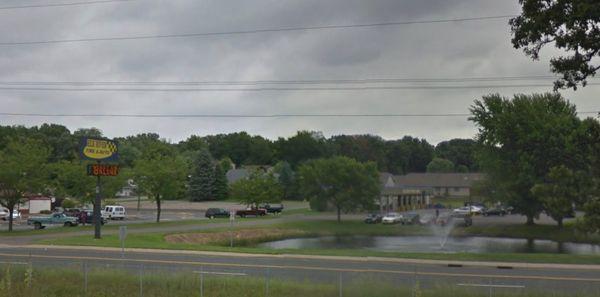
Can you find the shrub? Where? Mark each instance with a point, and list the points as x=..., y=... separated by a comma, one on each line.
x=68, y=203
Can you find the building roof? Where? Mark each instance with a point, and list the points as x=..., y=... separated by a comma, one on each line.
x=39, y=198
x=234, y=175
x=432, y=180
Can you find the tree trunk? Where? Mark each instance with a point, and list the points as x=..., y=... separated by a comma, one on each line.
x=560, y=223
x=530, y=221
x=339, y=215
x=11, y=210
x=157, y=208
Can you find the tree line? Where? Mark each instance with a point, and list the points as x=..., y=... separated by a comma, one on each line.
x=538, y=156
x=45, y=159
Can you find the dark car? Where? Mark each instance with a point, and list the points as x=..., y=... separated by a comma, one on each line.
x=373, y=218
x=272, y=208
x=251, y=212
x=495, y=211
x=90, y=217
x=212, y=213
x=410, y=218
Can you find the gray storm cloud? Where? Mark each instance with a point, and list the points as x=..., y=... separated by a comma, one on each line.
x=461, y=49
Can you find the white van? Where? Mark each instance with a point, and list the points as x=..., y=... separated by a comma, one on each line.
x=114, y=212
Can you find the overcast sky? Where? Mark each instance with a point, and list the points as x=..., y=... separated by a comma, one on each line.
x=443, y=50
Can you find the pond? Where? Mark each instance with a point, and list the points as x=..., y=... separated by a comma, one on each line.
x=433, y=244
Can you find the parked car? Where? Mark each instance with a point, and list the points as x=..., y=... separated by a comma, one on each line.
x=427, y=219
x=272, y=208
x=90, y=217
x=495, y=211
x=4, y=213
x=114, y=212
x=478, y=204
x=410, y=218
x=392, y=218
x=251, y=212
x=72, y=212
x=54, y=219
x=468, y=210
x=212, y=213
x=373, y=218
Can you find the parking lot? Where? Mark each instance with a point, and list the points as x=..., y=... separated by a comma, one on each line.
x=171, y=211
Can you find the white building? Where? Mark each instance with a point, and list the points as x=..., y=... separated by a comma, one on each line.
x=36, y=204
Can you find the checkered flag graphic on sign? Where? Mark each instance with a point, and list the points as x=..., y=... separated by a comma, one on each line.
x=112, y=147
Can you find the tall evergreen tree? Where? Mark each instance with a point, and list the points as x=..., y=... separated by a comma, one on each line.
x=220, y=187
x=202, y=179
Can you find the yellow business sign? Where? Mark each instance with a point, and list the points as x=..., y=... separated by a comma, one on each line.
x=99, y=149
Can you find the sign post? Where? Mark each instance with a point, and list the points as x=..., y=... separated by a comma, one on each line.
x=122, y=236
x=231, y=219
x=99, y=150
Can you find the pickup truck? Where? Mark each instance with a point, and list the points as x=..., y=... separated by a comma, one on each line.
x=54, y=219
x=251, y=212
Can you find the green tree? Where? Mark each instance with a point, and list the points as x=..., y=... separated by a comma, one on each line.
x=458, y=151
x=558, y=193
x=70, y=179
x=591, y=220
x=202, y=180
x=408, y=154
x=462, y=169
x=160, y=173
x=22, y=166
x=439, y=165
x=588, y=138
x=572, y=26
x=340, y=182
x=305, y=145
x=521, y=140
x=362, y=148
x=257, y=188
x=286, y=178
x=87, y=132
x=60, y=141
x=220, y=186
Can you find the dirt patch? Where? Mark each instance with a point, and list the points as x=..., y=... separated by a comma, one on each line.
x=244, y=235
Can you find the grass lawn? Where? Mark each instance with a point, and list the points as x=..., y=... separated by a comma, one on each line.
x=449, y=202
x=100, y=282
x=319, y=228
x=549, y=232
x=114, y=225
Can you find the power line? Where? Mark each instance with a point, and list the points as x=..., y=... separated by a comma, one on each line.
x=265, y=89
x=279, y=82
x=246, y=115
x=254, y=31
x=61, y=4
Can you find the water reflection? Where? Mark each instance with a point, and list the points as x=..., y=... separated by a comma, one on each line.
x=432, y=244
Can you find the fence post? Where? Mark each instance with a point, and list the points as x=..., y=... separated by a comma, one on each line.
x=142, y=280
x=201, y=282
x=85, y=278
x=267, y=282
x=341, y=285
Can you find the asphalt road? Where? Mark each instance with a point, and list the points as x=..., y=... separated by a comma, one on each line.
x=568, y=280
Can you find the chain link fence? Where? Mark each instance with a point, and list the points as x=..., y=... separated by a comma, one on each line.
x=133, y=278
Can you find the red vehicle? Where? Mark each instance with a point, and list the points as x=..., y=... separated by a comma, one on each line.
x=251, y=212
